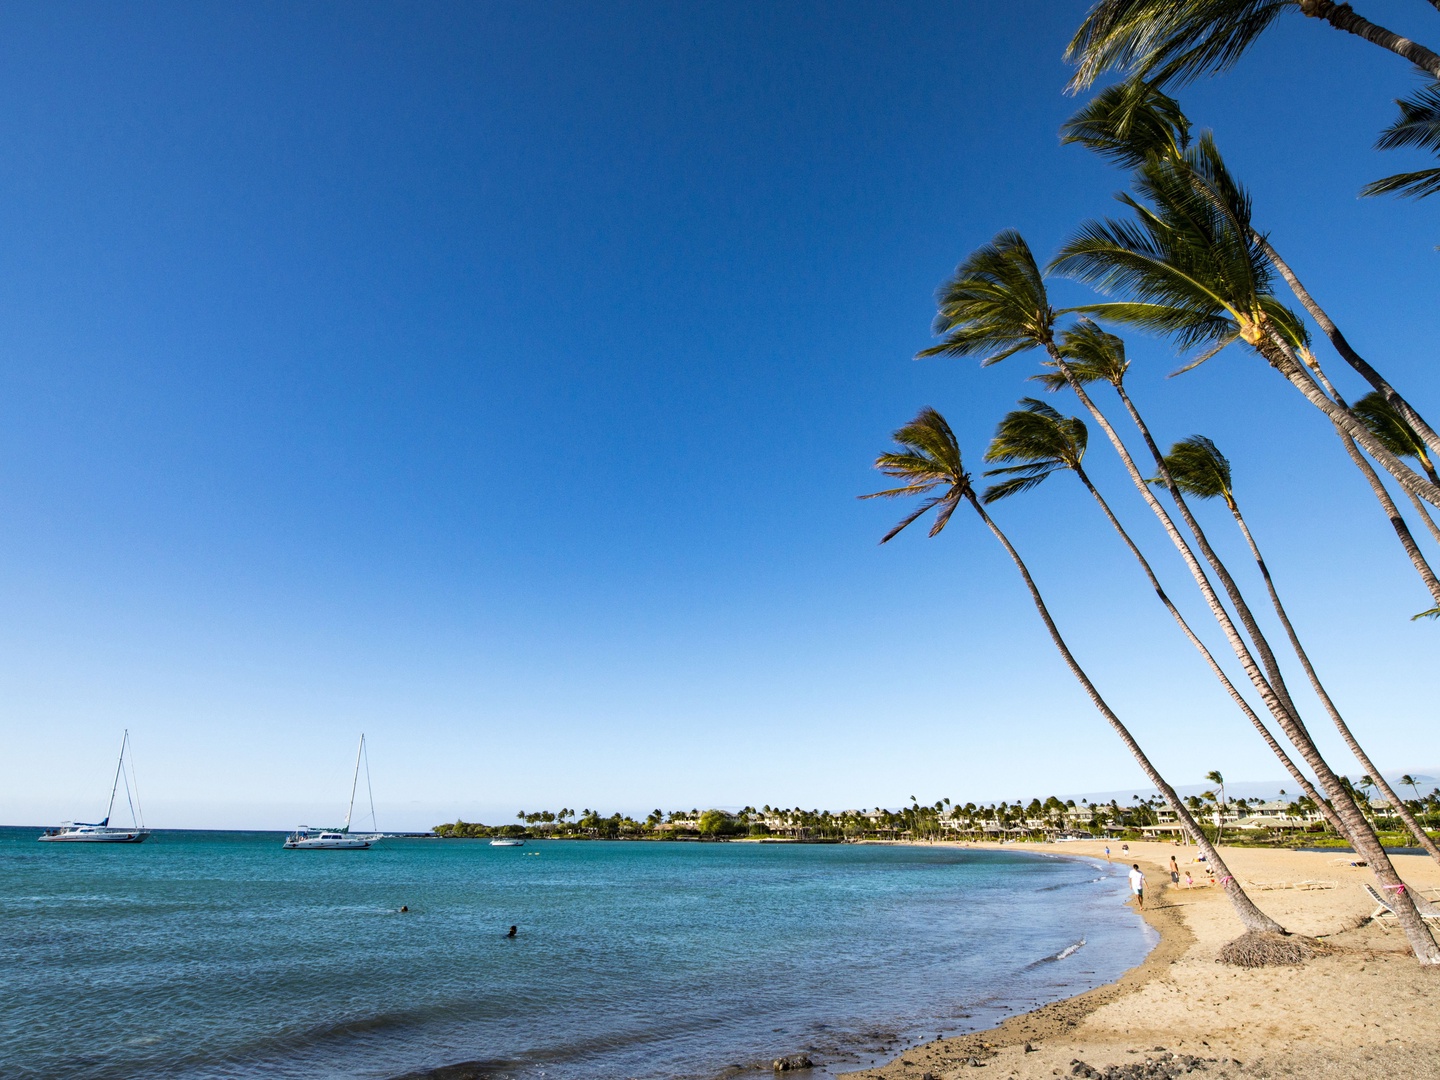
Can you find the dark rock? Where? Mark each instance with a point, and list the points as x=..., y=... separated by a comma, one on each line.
x=792, y=1062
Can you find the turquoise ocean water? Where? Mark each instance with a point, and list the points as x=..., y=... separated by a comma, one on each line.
x=219, y=955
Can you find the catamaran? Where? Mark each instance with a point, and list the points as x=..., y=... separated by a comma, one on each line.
x=102, y=832
x=308, y=838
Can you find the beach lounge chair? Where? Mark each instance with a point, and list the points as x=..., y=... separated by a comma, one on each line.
x=1382, y=904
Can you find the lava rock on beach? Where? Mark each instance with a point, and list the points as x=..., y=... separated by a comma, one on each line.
x=792, y=1062
x=1167, y=1066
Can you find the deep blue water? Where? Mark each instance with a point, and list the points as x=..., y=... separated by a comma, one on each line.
x=209, y=955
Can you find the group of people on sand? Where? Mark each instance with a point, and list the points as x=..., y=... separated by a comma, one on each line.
x=1137, y=876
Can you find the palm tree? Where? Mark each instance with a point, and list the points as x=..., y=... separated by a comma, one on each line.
x=1178, y=40
x=1133, y=121
x=997, y=304
x=1201, y=471
x=1389, y=425
x=1409, y=781
x=1419, y=125
x=1219, y=781
x=1043, y=443
x=929, y=465
x=1194, y=271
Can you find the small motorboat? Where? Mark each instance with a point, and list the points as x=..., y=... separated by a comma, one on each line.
x=507, y=843
x=102, y=832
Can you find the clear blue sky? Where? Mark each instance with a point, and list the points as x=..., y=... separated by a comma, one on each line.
x=497, y=379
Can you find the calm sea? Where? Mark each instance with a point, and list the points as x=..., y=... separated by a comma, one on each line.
x=219, y=955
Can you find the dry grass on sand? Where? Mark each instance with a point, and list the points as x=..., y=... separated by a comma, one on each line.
x=1358, y=1006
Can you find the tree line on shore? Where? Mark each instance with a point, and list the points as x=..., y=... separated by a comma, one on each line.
x=1036, y=820
x=1189, y=261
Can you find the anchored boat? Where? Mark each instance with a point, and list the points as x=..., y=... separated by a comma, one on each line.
x=101, y=832
x=308, y=838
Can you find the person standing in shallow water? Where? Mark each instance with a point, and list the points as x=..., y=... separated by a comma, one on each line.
x=1137, y=884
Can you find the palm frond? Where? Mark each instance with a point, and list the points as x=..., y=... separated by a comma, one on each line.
x=1419, y=123
x=928, y=459
x=1014, y=486
x=1413, y=185
x=1167, y=41
x=995, y=304
x=1128, y=123
x=1198, y=468
x=1091, y=353
x=1388, y=426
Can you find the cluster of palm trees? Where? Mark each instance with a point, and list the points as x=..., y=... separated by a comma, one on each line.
x=1187, y=263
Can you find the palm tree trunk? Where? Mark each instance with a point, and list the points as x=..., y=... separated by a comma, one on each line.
x=1343, y=17
x=1397, y=522
x=1347, y=353
x=1357, y=829
x=1251, y=917
x=1425, y=517
x=1279, y=751
x=1242, y=610
x=1284, y=360
x=1320, y=692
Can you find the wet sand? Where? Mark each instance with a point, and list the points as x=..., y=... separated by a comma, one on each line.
x=1361, y=1008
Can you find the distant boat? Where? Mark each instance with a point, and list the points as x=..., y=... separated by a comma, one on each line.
x=101, y=832
x=507, y=843
x=308, y=838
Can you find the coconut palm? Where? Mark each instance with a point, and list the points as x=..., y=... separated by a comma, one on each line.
x=1201, y=471
x=1388, y=425
x=1135, y=120
x=1194, y=271
x=1178, y=40
x=1419, y=125
x=996, y=306
x=1043, y=442
x=929, y=465
x=1219, y=781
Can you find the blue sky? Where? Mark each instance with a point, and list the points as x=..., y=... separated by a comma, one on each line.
x=497, y=380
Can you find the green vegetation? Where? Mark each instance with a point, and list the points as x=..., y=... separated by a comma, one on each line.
x=1037, y=820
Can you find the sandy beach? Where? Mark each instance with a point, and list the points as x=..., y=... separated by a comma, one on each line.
x=1361, y=1008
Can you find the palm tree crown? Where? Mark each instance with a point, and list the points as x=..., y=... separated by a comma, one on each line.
x=995, y=303
x=1190, y=260
x=1199, y=469
x=1129, y=123
x=1040, y=439
x=929, y=463
x=1394, y=433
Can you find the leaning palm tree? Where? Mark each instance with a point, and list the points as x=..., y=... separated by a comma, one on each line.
x=1388, y=425
x=996, y=306
x=929, y=465
x=1419, y=125
x=1135, y=120
x=1036, y=442
x=1192, y=270
x=1201, y=471
x=1178, y=40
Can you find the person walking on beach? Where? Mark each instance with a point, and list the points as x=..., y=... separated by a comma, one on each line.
x=1107, y=851
x=1137, y=884
x=1174, y=871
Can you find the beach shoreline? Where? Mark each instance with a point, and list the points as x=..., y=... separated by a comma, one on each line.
x=1361, y=1008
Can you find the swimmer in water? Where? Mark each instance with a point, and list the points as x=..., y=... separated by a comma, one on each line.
x=403, y=909
x=513, y=931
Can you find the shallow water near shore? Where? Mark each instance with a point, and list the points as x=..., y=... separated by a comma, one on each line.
x=208, y=955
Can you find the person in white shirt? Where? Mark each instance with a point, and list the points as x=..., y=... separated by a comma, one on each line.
x=1137, y=884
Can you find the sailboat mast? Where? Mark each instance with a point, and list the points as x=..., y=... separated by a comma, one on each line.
x=351, y=809
x=116, y=785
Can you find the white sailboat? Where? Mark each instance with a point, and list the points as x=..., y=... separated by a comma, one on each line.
x=102, y=832
x=308, y=838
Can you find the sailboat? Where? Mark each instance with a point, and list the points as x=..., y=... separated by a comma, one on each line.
x=101, y=832
x=308, y=838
